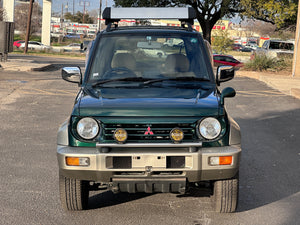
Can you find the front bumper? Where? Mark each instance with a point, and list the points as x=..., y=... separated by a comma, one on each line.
x=148, y=162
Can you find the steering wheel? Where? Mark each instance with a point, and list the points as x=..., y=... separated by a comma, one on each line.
x=118, y=72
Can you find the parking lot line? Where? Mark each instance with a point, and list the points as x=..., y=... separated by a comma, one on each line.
x=34, y=91
x=259, y=93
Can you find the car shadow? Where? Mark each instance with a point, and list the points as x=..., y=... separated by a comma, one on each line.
x=58, y=66
x=102, y=199
x=269, y=168
x=269, y=122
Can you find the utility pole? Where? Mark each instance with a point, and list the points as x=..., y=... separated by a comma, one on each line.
x=100, y=13
x=28, y=26
x=62, y=16
x=296, y=64
x=82, y=3
x=73, y=7
x=62, y=12
x=83, y=11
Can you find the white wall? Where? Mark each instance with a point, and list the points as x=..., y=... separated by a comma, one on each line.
x=46, y=22
x=9, y=7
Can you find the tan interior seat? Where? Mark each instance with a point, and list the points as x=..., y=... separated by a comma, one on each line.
x=123, y=60
x=177, y=63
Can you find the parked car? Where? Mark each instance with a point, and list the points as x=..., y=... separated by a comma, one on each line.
x=153, y=49
x=18, y=43
x=56, y=34
x=237, y=47
x=277, y=48
x=241, y=48
x=72, y=36
x=252, y=46
x=35, y=45
x=149, y=123
x=246, y=49
x=73, y=47
x=226, y=60
x=91, y=34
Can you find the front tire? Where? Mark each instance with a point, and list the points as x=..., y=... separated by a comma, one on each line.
x=225, y=196
x=74, y=193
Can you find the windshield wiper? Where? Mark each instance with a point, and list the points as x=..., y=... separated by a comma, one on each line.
x=177, y=79
x=135, y=79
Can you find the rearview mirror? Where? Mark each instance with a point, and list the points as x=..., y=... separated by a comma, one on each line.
x=224, y=73
x=72, y=74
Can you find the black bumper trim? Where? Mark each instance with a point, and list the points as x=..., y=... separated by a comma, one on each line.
x=150, y=185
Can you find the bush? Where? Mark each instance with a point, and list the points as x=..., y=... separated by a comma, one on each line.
x=284, y=64
x=263, y=62
x=17, y=37
x=260, y=62
x=35, y=38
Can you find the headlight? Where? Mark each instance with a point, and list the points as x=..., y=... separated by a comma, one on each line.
x=210, y=128
x=87, y=128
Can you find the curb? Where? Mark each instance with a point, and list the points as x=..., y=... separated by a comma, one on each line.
x=270, y=80
x=26, y=67
x=295, y=92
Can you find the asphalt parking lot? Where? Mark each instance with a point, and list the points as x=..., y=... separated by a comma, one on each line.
x=34, y=104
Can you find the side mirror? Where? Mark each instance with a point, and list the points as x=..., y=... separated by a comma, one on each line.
x=224, y=73
x=72, y=74
x=228, y=92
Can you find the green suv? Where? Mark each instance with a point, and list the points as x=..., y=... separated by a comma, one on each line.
x=149, y=116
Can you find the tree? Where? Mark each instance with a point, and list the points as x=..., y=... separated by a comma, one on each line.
x=21, y=15
x=2, y=12
x=222, y=42
x=78, y=17
x=254, y=26
x=282, y=13
x=208, y=11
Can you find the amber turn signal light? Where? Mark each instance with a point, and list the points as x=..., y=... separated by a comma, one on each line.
x=225, y=160
x=77, y=161
x=220, y=160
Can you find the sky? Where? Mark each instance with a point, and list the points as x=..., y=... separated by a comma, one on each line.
x=90, y=5
x=78, y=4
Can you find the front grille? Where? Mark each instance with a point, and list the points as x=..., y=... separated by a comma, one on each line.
x=149, y=132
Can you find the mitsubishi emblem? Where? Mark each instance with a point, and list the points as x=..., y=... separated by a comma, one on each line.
x=148, y=131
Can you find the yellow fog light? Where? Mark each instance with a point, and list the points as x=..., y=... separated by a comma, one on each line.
x=120, y=135
x=176, y=134
x=77, y=161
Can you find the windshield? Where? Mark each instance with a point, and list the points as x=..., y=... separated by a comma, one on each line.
x=281, y=45
x=148, y=57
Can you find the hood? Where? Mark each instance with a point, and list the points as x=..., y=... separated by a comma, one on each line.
x=147, y=102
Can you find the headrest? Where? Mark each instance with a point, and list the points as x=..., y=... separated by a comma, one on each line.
x=123, y=60
x=177, y=63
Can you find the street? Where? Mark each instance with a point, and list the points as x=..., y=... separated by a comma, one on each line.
x=34, y=104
